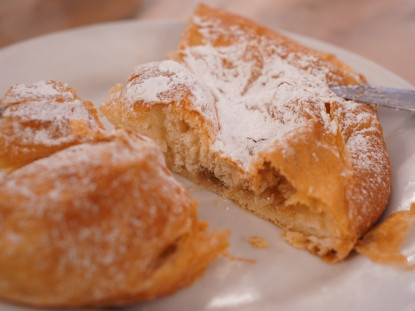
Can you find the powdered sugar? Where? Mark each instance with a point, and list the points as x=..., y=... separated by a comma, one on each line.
x=41, y=90
x=166, y=82
x=149, y=90
x=261, y=92
x=364, y=141
x=72, y=163
x=40, y=113
x=45, y=110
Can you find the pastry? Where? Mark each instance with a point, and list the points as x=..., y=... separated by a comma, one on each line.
x=383, y=243
x=35, y=121
x=248, y=113
x=100, y=223
x=98, y=219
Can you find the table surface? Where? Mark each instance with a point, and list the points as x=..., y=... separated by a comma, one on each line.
x=380, y=30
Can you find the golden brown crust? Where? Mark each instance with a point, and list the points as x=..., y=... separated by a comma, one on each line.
x=317, y=171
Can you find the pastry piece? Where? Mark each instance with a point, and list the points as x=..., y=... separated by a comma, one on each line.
x=248, y=113
x=100, y=223
x=383, y=242
x=36, y=120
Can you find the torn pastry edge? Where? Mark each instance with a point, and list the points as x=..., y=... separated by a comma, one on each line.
x=381, y=243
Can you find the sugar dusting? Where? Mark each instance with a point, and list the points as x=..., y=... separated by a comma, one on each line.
x=368, y=155
x=257, y=103
x=166, y=82
x=256, y=90
x=262, y=90
x=59, y=195
x=41, y=112
x=238, y=94
x=41, y=90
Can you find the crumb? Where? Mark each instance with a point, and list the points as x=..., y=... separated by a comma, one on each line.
x=231, y=257
x=258, y=242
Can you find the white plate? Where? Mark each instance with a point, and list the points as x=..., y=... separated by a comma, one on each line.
x=94, y=58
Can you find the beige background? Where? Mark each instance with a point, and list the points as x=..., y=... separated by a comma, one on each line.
x=380, y=30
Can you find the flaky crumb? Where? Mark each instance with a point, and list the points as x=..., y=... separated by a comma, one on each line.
x=258, y=242
x=232, y=257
